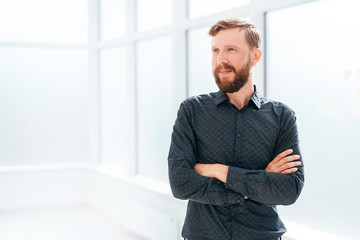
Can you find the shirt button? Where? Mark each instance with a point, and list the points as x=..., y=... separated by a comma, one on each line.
x=238, y=135
x=230, y=185
x=239, y=201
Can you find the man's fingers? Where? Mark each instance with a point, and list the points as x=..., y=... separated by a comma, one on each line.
x=282, y=155
x=288, y=171
x=289, y=159
x=290, y=165
x=284, y=163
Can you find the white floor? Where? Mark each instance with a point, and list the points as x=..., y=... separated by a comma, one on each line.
x=61, y=223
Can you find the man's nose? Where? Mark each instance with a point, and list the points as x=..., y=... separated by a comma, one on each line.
x=221, y=59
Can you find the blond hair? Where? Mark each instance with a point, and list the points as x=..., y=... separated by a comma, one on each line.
x=252, y=35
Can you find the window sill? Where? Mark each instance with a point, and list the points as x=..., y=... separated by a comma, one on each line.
x=136, y=180
x=301, y=232
x=112, y=171
x=41, y=167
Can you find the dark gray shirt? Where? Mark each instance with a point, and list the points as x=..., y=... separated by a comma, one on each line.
x=209, y=129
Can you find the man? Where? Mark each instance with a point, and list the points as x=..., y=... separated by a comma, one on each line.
x=234, y=154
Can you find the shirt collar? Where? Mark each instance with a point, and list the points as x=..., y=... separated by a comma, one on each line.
x=221, y=97
x=256, y=98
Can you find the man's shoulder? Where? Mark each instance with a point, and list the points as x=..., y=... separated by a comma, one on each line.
x=202, y=99
x=276, y=106
x=273, y=103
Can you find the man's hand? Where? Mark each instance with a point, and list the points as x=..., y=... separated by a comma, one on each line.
x=215, y=170
x=283, y=163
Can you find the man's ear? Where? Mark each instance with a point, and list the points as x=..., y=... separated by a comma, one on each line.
x=256, y=56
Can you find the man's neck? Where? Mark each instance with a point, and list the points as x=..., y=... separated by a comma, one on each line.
x=242, y=97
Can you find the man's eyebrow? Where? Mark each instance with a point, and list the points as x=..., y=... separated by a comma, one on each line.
x=233, y=46
x=226, y=46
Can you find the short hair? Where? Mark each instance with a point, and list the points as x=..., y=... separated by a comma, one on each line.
x=252, y=35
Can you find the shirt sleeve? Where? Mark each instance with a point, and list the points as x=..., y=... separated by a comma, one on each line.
x=185, y=182
x=271, y=188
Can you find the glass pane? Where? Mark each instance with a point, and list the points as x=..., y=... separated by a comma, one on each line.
x=201, y=79
x=313, y=66
x=153, y=14
x=112, y=19
x=56, y=21
x=43, y=104
x=117, y=109
x=155, y=117
x=199, y=8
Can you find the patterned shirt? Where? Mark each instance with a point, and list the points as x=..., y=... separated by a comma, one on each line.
x=209, y=129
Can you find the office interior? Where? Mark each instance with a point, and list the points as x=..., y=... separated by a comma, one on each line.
x=89, y=91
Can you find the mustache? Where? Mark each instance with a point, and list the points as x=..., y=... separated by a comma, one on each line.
x=224, y=67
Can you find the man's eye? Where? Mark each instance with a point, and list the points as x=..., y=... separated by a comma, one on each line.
x=215, y=50
x=232, y=49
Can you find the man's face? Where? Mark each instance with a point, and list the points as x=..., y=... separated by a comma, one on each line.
x=231, y=60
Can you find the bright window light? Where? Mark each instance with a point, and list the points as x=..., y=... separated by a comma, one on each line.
x=55, y=21
x=199, y=8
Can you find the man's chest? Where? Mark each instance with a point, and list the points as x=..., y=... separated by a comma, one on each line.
x=245, y=139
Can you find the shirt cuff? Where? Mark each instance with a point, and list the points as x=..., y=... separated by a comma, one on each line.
x=237, y=178
x=235, y=197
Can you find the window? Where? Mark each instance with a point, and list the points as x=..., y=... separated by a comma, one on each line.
x=43, y=83
x=199, y=8
x=153, y=14
x=201, y=79
x=313, y=66
x=154, y=106
x=117, y=110
x=112, y=19
x=43, y=100
x=44, y=21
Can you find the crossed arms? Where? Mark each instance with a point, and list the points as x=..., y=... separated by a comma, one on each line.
x=283, y=163
x=280, y=183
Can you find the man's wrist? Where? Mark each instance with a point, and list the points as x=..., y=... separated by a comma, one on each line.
x=221, y=172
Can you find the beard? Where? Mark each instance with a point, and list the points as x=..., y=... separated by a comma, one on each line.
x=225, y=84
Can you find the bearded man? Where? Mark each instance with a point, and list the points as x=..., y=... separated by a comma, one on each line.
x=235, y=155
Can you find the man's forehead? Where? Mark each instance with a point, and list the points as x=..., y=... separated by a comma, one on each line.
x=233, y=36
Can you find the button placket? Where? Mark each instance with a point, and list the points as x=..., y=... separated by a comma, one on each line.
x=238, y=136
